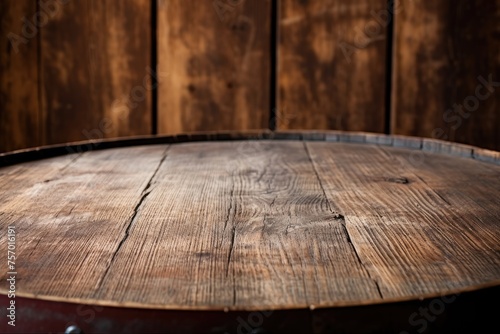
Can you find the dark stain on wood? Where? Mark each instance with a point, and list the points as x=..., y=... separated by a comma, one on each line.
x=400, y=180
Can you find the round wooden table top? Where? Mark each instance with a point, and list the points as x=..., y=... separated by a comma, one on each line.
x=255, y=224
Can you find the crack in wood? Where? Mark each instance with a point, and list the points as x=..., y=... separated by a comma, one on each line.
x=144, y=194
x=349, y=240
x=228, y=263
x=233, y=236
x=228, y=215
x=342, y=220
x=229, y=257
x=228, y=210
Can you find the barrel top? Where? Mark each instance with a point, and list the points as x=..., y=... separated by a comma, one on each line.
x=307, y=221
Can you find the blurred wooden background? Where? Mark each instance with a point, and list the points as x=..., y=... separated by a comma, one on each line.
x=86, y=69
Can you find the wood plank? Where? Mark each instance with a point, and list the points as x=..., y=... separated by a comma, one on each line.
x=331, y=73
x=19, y=109
x=237, y=225
x=70, y=225
x=95, y=77
x=478, y=178
x=214, y=59
x=412, y=240
x=438, y=61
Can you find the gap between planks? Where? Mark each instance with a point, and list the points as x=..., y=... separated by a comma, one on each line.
x=341, y=218
x=145, y=193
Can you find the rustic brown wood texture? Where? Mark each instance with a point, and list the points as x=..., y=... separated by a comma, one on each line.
x=331, y=65
x=255, y=224
x=214, y=62
x=95, y=80
x=441, y=49
x=19, y=103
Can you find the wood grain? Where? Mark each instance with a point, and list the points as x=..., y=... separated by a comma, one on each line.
x=469, y=206
x=250, y=218
x=19, y=102
x=74, y=233
x=405, y=232
x=441, y=48
x=331, y=72
x=95, y=70
x=214, y=60
x=253, y=225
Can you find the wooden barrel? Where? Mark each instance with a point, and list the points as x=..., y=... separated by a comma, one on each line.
x=251, y=233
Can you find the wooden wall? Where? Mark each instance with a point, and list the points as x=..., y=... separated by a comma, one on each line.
x=86, y=69
x=215, y=56
x=442, y=50
x=94, y=65
x=331, y=72
x=19, y=98
x=74, y=70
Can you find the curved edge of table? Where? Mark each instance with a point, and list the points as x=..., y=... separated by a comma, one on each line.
x=414, y=143
x=340, y=304
x=464, y=312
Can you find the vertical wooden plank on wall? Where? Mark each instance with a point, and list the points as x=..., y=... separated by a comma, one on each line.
x=19, y=113
x=445, y=54
x=214, y=65
x=332, y=64
x=96, y=71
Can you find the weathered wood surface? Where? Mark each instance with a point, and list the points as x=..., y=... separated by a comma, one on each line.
x=19, y=99
x=95, y=70
x=331, y=65
x=253, y=224
x=443, y=51
x=214, y=63
x=396, y=220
